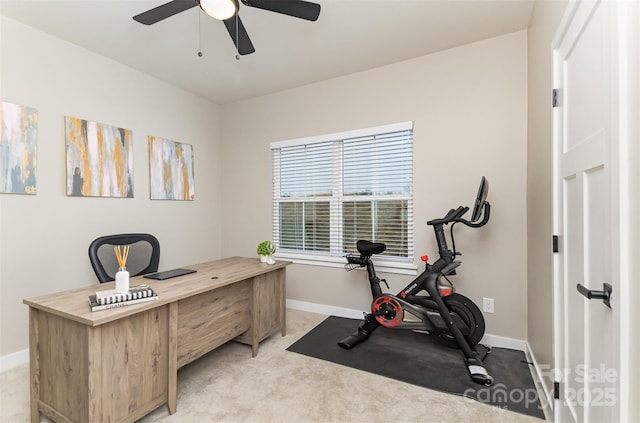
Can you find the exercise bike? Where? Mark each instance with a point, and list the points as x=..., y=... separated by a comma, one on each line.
x=452, y=318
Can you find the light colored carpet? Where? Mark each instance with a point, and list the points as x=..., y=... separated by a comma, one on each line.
x=227, y=385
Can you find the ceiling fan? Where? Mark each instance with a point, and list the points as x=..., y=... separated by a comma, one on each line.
x=227, y=11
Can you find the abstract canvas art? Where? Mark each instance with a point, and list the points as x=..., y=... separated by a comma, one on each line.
x=18, y=142
x=171, y=170
x=99, y=159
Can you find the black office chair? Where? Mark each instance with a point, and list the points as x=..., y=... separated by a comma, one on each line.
x=143, y=258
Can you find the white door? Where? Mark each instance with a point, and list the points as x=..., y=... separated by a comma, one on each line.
x=586, y=333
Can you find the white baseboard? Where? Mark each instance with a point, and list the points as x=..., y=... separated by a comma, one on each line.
x=324, y=309
x=493, y=340
x=504, y=342
x=13, y=360
x=547, y=401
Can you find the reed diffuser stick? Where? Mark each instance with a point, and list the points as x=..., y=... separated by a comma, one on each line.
x=121, y=254
x=122, y=276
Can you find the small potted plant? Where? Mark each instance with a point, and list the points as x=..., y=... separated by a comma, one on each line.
x=266, y=250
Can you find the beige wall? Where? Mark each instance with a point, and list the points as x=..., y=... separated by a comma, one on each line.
x=469, y=106
x=44, y=238
x=544, y=22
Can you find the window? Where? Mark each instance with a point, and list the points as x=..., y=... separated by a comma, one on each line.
x=332, y=190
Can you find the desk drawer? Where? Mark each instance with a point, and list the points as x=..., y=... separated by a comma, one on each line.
x=210, y=319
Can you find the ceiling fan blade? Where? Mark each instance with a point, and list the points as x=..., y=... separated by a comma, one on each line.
x=243, y=43
x=296, y=8
x=165, y=11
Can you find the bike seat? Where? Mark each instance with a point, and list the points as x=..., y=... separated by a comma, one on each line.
x=369, y=248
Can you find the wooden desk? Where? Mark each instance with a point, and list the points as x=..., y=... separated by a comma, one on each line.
x=118, y=365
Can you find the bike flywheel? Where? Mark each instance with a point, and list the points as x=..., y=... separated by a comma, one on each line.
x=387, y=310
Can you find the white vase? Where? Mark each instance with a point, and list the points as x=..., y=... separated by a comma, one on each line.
x=263, y=258
x=122, y=280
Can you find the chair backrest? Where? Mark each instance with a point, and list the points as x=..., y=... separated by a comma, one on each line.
x=144, y=255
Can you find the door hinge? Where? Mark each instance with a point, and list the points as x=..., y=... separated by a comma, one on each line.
x=556, y=390
x=555, y=97
x=555, y=244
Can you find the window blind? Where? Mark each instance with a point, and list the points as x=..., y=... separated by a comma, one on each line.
x=330, y=191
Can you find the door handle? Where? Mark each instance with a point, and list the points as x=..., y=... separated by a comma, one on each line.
x=604, y=295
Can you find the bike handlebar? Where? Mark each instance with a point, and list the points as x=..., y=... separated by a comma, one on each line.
x=486, y=212
x=460, y=212
x=353, y=262
x=450, y=215
x=455, y=215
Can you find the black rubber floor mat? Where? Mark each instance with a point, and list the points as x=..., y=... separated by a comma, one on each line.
x=418, y=359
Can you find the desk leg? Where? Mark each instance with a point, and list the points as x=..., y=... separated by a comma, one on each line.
x=254, y=306
x=172, y=383
x=94, y=374
x=283, y=303
x=34, y=363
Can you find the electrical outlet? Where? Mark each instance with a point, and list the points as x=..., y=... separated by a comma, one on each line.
x=487, y=305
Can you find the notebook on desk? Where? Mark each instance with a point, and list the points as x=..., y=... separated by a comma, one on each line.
x=169, y=274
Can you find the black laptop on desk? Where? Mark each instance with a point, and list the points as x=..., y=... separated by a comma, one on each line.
x=169, y=274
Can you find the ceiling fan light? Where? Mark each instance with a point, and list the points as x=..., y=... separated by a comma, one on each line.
x=219, y=9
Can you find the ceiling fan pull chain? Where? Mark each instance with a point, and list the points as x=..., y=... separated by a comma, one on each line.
x=237, y=38
x=199, y=35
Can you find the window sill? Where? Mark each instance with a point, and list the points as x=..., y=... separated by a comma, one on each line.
x=381, y=265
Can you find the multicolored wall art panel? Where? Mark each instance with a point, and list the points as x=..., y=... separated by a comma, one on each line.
x=18, y=142
x=171, y=170
x=99, y=159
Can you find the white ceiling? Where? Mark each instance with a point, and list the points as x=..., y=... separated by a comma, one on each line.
x=349, y=36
